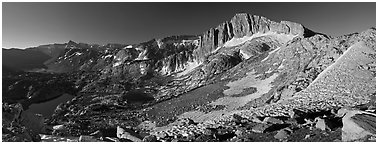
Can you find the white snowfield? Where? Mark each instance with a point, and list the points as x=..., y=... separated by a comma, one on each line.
x=128, y=47
x=238, y=41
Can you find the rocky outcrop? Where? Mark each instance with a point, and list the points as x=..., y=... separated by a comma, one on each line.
x=330, y=64
x=124, y=133
x=357, y=125
x=314, y=75
x=19, y=125
x=242, y=25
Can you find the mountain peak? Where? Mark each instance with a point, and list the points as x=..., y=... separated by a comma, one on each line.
x=243, y=25
x=71, y=42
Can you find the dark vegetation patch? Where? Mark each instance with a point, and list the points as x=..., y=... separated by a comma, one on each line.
x=135, y=96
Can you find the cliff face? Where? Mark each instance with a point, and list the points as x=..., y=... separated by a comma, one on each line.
x=244, y=25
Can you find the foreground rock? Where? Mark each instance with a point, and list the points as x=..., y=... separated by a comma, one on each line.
x=19, y=125
x=34, y=122
x=282, y=134
x=125, y=133
x=321, y=124
x=85, y=138
x=357, y=125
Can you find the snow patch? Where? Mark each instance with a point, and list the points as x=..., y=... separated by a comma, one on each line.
x=189, y=67
x=273, y=51
x=107, y=56
x=128, y=47
x=270, y=53
x=117, y=64
x=237, y=41
x=143, y=68
x=78, y=53
x=244, y=55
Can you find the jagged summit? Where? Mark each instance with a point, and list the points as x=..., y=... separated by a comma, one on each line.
x=243, y=26
x=71, y=42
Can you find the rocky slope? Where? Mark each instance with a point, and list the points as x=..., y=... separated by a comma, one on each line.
x=248, y=79
x=309, y=76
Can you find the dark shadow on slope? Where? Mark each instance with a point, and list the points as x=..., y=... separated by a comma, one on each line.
x=137, y=96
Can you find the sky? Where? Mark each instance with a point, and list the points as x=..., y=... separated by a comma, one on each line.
x=32, y=24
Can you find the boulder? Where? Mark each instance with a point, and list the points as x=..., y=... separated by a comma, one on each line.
x=357, y=125
x=224, y=134
x=161, y=135
x=210, y=131
x=237, y=118
x=282, y=134
x=321, y=124
x=239, y=132
x=85, y=138
x=260, y=128
x=150, y=138
x=125, y=133
x=59, y=127
x=59, y=130
x=272, y=120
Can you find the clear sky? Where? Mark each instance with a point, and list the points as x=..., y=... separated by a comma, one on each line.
x=33, y=24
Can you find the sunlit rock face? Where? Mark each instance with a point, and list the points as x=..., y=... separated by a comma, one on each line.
x=245, y=26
